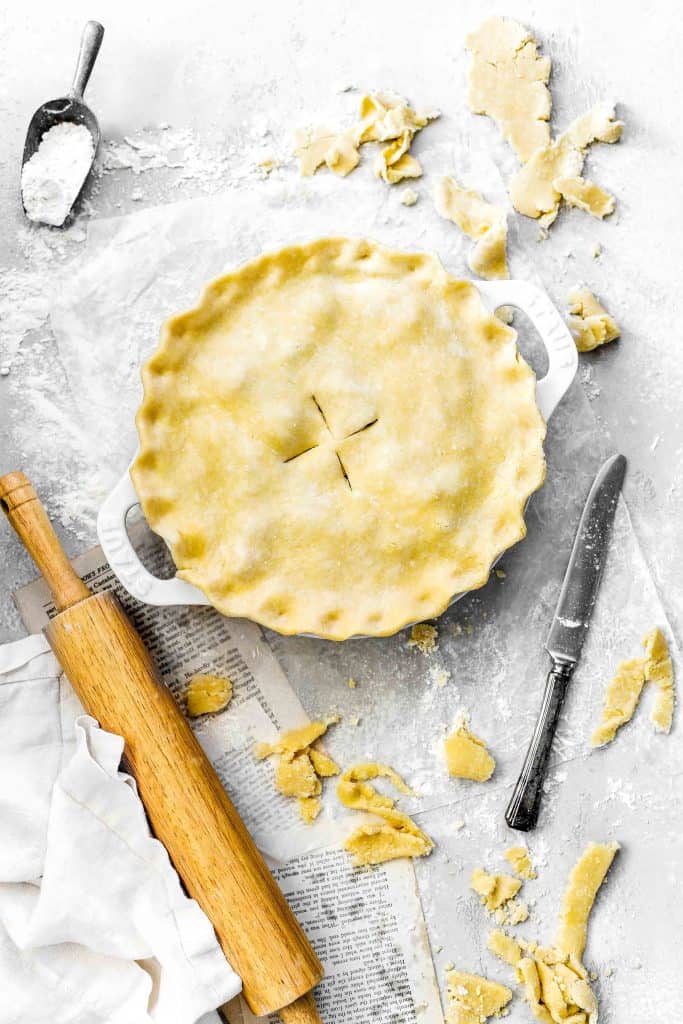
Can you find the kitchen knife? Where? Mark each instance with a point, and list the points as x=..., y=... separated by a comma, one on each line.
x=567, y=634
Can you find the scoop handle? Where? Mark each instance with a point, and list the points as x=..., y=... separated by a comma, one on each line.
x=91, y=40
x=23, y=508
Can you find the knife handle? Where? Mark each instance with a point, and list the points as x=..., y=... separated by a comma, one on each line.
x=522, y=811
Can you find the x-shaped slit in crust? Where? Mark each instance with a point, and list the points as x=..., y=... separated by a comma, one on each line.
x=353, y=433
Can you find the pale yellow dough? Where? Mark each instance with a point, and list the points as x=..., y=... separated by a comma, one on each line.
x=508, y=81
x=338, y=439
x=472, y=999
x=590, y=324
x=621, y=699
x=300, y=765
x=206, y=694
x=533, y=189
x=623, y=692
x=585, y=879
x=659, y=670
x=425, y=637
x=383, y=118
x=397, y=836
x=556, y=984
x=497, y=893
x=483, y=222
x=519, y=860
x=467, y=756
x=585, y=195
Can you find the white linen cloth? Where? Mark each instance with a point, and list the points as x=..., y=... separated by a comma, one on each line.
x=94, y=925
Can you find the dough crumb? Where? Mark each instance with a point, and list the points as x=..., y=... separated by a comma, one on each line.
x=466, y=755
x=207, y=694
x=398, y=835
x=501, y=574
x=589, y=323
x=382, y=118
x=623, y=692
x=555, y=982
x=409, y=197
x=483, y=222
x=267, y=166
x=440, y=676
x=508, y=82
x=301, y=766
x=586, y=196
x=494, y=890
x=519, y=860
x=425, y=637
x=533, y=188
x=458, y=825
x=352, y=684
x=472, y=999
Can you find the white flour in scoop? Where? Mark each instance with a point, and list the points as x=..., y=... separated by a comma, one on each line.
x=53, y=177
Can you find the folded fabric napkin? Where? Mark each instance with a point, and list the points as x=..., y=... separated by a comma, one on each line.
x=94, y=925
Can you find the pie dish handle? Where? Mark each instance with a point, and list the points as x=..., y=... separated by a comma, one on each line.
x=123, y=558
x=563, y=357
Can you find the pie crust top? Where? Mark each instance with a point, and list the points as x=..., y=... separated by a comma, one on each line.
x=337, y=439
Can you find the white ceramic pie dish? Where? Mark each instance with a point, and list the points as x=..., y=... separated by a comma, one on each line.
x=562, y=366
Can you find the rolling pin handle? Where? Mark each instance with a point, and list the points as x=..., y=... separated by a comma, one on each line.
x=23, y=508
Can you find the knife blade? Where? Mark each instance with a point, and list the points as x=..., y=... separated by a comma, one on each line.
x=586, y=562
x=568, y=633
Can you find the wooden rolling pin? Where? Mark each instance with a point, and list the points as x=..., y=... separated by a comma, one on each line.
x=190, y=812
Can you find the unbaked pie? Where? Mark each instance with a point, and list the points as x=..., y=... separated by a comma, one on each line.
x=338, y=439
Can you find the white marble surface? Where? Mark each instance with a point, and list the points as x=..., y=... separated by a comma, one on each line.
x=236, y=80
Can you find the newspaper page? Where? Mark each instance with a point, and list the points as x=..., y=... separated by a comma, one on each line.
x=366, y=925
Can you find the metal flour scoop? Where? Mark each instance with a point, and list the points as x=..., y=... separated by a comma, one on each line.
x=70, y=108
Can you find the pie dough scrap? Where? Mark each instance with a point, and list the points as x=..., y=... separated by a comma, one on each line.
x=311, y=146
x=207, y=694
x=300, y=765
x=425, y=637
x=383, y=118
x=585, y=879
x=483, y=222
x=305, y=464
x=623, y=692
x=467, y=756
x=505, y=947
x=520, y=861
x=494, y=890
x=621, y=699
x=586, y=196
x=533, y=188
x=508, y=82
x=590, y=324
x=472, y=999
x=409, y=197
x=556, y=984
x=659, y=670
x=398, y=835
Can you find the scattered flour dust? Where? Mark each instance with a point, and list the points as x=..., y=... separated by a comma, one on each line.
x=31, y=375
x=53, y=177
